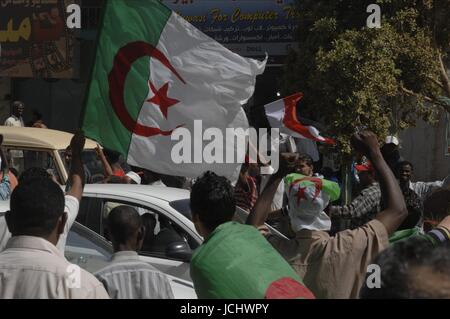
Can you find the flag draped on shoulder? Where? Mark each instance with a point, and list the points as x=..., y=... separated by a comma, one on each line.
x=282, y=114
x=155, y=78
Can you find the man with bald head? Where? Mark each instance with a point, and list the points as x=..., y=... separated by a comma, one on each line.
x=127, y=277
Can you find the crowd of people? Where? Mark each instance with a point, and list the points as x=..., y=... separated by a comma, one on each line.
x=289, y=247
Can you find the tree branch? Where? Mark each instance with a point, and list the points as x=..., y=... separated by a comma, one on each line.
x=426, y=98
x=444, y=76
x=436, y=82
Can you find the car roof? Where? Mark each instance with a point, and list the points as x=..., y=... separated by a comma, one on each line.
x=39, y=138
x=167, y=194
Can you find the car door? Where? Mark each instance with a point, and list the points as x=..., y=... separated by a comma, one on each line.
x=167, y=230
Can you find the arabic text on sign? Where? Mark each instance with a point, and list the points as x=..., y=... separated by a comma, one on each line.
x=11, y=35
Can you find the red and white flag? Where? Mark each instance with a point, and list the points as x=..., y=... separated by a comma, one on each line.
x=282, y=114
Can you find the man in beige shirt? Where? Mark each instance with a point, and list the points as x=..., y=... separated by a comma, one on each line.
x=31, y=266
x=335, y=267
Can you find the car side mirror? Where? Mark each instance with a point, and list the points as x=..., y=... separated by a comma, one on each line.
x=179, y=250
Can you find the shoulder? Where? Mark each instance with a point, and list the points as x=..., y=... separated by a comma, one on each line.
x=369, y=234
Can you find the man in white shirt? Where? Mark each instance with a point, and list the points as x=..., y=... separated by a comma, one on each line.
x=16, y=120
x=73, y=195
x=127, y=277
x=404, y=172
x=31, y=267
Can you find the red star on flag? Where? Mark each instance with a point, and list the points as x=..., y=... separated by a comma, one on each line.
x=160, y=98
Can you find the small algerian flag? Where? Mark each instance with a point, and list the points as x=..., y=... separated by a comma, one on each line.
x=308, y=197
x=282, y=114
x=158, y=86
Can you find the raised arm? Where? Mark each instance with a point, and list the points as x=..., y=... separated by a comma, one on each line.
x=260, y=211
x=395, y=212
x=107, y=169
x=5, y=184
x=75, y=183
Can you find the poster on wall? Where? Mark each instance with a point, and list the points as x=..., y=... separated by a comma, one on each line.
x=250, y=28
x=35, y=41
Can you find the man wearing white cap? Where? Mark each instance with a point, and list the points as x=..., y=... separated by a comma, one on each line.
x=333, y=267
x=132, y=178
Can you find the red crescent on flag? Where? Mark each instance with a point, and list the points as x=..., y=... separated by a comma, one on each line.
x=123, y=61
x=290, y=119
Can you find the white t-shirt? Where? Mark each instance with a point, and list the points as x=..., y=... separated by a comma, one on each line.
x=14, y=121
x=71, y=208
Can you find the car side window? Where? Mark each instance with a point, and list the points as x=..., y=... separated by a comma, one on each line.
x=90, y=214
x=161, y=231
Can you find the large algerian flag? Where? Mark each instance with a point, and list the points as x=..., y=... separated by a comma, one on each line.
x=154, y=76
x=236, y=262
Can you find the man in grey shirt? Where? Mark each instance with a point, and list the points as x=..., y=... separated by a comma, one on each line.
x=127, y=277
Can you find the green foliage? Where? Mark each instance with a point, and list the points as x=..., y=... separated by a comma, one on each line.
x=384, y=79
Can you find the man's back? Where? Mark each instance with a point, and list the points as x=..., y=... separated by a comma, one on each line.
x=33, y=268
x=127, y=277
x=333, y=267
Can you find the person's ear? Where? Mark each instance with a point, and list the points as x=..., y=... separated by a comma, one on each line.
x=140, y=237
x=61, y=223
x=141, y=233
x=9, y=222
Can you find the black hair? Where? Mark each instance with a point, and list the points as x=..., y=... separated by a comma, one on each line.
x=400, y=165
x=437, y=205
x=399, y=266
x=33, y=173
x=212, y=200
x=113, y=179
x=123, y=222
x=36, y=206
x=306, y=159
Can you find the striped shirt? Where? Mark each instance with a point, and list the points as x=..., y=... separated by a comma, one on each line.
x=127, y=277
x=362, y=209
x=424, y=189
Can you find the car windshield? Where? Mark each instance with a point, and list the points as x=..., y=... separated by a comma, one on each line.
x=92, y=165
x=23, y=159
